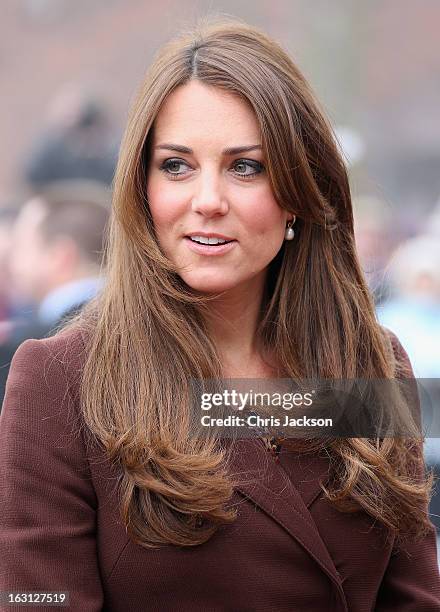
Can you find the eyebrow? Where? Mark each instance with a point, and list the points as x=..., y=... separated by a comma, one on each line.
x=228, y=151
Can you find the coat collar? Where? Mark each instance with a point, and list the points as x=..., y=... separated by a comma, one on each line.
x=285, y=489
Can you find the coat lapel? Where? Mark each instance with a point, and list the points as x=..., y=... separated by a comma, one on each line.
x=265, y=481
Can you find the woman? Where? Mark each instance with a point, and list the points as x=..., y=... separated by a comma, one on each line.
x=106, y=492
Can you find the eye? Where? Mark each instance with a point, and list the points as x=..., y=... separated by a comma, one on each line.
x=247, y=168
x=174, y=167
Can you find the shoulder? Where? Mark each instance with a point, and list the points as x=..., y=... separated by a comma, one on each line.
x=40, y=420
x=69, y=343
x=398, y=354
x=62, y=354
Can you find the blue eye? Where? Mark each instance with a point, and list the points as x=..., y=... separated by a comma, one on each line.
x=247, y=168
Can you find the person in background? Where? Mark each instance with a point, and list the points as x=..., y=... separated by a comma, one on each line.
x=432, y=223
x=78, y=141
x=413, y=310
x=374, y=241
x=57, y=248
x=413, y=313
x=56, y=253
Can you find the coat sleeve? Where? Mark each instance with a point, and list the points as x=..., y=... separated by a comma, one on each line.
x=47, y=499
x=411, y=582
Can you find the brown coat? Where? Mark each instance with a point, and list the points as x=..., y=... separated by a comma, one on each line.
x=289, y=549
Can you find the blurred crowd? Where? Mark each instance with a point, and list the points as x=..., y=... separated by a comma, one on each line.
x=51, y=242
x=401, y=261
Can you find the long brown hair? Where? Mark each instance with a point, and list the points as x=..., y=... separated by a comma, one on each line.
x=147, y=335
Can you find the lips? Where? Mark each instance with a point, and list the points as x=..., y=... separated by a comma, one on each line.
x=208, y=236
x=209, y=244
x=211, y=240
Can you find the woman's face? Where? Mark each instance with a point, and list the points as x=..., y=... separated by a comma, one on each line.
x=207, y=182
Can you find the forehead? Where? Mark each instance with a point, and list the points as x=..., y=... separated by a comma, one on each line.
x=197, y=110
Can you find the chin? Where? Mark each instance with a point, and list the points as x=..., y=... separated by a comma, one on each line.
x=208, y=285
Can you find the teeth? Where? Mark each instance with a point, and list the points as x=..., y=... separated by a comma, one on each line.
x=205, y=240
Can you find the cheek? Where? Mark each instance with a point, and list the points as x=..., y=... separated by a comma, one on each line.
x=264, y=218
x=166, y=206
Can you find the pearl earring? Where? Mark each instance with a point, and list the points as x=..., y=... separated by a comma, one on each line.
x=289, y=234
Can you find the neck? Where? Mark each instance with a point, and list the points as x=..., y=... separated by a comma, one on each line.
x=232, y=322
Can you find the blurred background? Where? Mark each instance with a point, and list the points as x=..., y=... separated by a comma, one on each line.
x=69, y=71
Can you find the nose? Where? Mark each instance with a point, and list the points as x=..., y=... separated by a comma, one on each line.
x=209, y=199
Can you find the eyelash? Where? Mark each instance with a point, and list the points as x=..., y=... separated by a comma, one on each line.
x=257, y=166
